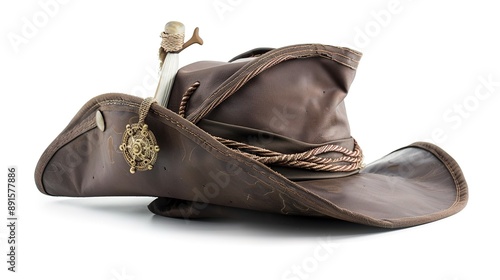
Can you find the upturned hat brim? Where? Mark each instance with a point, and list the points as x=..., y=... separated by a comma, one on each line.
x=416, y=184
x=413, y=185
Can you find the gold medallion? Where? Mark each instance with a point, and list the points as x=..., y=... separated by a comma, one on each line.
x=139, y=145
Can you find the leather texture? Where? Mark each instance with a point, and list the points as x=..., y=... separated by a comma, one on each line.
x=287, y=100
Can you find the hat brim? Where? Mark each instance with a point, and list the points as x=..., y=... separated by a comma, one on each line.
x=413, y=185
x=416, y=184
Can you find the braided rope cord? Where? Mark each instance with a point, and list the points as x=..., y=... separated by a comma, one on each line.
x=310, y=159
x=185, y=98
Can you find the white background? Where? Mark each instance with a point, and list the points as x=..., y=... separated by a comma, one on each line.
x=419, y=79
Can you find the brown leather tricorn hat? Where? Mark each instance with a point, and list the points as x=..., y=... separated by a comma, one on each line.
x=266, y=131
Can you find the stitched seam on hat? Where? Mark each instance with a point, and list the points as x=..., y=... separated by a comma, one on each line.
x=77, y=131
x=287, y=53
x=443, y=213
x=296, y=53
x=450, y=170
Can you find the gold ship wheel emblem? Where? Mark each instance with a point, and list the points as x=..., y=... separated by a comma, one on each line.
x=139, y=145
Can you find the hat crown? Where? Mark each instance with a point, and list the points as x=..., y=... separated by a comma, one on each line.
x=291, y=106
